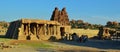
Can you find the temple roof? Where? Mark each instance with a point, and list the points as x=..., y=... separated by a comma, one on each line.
x=38, y=21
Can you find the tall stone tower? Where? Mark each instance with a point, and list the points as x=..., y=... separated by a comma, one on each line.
x=60, y=16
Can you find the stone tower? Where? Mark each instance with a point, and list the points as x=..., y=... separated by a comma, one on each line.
x=60, y=16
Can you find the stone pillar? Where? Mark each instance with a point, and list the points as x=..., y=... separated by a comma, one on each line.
x=22, y=27
x=51, y=33
x=28, y=37
x=54, y=29
x=48, y=29
x=44, y=29
x=40, y=29
x=34, y=29
x=37, y=30
x=21, y=35
x=28, y=28
x=58, y=30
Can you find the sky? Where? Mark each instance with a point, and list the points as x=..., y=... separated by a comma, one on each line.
x=92, y=11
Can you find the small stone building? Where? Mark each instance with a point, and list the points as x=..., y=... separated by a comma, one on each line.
x=104, y=32
x=33, y=29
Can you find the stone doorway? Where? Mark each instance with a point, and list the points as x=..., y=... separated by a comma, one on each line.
x=62, y=31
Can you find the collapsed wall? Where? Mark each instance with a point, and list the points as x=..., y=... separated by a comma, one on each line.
x=33, y=29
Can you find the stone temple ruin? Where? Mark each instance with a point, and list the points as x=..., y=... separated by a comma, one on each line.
x=107, y=33
x=31, y=29
x=60, y=16
x=103, y=32
x=34, y=29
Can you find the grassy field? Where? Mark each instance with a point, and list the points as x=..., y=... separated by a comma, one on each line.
x=89, y=32
x=32, y=43
x=25, y=43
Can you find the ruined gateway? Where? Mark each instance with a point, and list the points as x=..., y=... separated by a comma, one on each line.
x=33, y=29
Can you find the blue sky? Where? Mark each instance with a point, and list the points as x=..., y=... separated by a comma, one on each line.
x=92, y=11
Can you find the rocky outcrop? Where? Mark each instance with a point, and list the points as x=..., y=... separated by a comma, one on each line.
x=110, y=23
x=60, y=16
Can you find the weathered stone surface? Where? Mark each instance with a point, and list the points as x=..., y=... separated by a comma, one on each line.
x=103, y=32
x=60, y=16
x=33, y=29
x=55, y=14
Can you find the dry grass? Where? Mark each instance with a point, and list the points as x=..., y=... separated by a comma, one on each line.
x=88, y=32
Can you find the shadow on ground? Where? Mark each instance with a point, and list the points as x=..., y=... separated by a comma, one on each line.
x=100, y=44
x=2, y=36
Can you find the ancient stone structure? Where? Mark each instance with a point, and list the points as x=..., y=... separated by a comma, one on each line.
x=103, y=32
x=60, y=16
x=115, y=34
x=33, y=29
